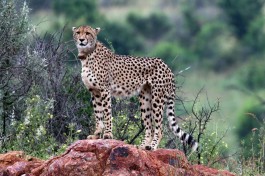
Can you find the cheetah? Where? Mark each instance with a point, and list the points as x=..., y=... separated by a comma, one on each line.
x=106, y=74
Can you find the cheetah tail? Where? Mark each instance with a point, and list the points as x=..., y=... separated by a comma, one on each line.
x=183, y=136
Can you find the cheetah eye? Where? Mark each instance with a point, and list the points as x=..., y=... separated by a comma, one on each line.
x=78, y=32
x=87, y=33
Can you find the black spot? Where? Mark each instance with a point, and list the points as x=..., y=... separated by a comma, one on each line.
x=178, y=130
x=174, y=124
x=169, y=103
x=190, y=139
x=148, y=148
x=119, y=152
x=155, y=105
x=183, y=136
x=143, y=110
x=170, y=114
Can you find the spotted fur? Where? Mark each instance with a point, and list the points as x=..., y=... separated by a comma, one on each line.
x=106, y=74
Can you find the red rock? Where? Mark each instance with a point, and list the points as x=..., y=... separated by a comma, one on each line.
x=17, y=163
x=107, y=158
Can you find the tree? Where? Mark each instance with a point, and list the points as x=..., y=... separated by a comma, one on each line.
x=14, y=29
x=81, y=9
x=240, y=14
x=152, y=27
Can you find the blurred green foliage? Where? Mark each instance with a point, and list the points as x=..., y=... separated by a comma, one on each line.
x=240, y=14
x=221, y=36
x=74, y=10
x=121, y=38
x=152, y=27
x=249, y=118
x=251, y=122
x=251, y=75
x=173, y=54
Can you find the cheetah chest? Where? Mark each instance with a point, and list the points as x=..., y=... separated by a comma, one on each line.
x=88, y=78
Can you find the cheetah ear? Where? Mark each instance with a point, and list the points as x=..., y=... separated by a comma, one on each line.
x=73, y=28
x=97, y=30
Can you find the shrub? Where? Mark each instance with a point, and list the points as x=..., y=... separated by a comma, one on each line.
x=14, y=34
x=255, y=38
x=173, y=55
x=152, y=27
x=249, y=118
x=215, y=45
x=251, y=75
x=121, y=38
x=30, y=133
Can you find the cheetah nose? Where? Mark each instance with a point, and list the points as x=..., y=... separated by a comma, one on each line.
x=81, y=40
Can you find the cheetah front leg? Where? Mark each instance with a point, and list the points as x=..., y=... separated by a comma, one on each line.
x=98, y=111
x=106, y=103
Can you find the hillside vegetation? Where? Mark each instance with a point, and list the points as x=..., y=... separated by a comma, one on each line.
x=215, y=49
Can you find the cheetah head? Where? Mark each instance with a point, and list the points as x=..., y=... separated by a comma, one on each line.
x=85, y=38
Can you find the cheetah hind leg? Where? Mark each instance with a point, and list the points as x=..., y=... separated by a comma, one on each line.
x=96, y=135
x=98, y=132
x=107, y=136
x=145, y=106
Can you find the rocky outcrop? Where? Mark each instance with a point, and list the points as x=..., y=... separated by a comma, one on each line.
x=105, y=157
x=16, y=163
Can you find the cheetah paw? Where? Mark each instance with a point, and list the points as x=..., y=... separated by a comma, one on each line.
x=107, y=136
x=93, y=137
x=144, y=147
x=148, y=147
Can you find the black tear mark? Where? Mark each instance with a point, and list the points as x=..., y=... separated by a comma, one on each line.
x=119, y=152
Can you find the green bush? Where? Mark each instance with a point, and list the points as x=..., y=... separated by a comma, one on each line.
x=121, y=38
x=152, y=27
x=249, y=120
x=251, y=75
x=30, y=134
x=127, y=123
x=14, y=34
x=215, y=46
x=75, y=10
x=173, y=55
x=255, y=38
x=240, y=14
